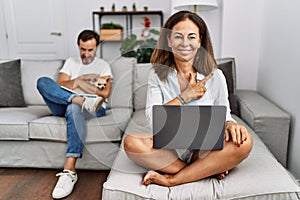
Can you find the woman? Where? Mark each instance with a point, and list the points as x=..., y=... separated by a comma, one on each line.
x=184, y=72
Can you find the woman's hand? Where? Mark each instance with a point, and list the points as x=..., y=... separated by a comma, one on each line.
x=236, y=132
x=195, y=90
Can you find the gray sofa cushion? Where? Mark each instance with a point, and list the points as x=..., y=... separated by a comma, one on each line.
x=31, y=71
x=121, y=93
x=14, y=121
x=102, y=129
x=141, y=73
x=50, y=154
x=124, y=182
x=260, y=176
x=10, y=84
x=227, y=66
x=268, y=121
x=138, y=123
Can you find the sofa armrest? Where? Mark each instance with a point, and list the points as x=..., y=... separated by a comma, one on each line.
x=268, y=121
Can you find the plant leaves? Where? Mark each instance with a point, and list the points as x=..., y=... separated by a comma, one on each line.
x=140, y=49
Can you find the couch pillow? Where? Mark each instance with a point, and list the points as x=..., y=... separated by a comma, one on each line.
x=121, y=92
x=140, y=84
x=31, y=71
x=11, y=84
x=227, y=66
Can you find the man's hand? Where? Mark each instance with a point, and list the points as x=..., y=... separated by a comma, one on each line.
x=86, y=86
x=89, y=77
x=83, y=79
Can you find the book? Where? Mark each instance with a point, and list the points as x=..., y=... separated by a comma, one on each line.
x=79, y=93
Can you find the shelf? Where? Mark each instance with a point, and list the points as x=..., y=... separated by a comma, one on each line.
x=150, y=12
x=103, y=41
x=128, y=16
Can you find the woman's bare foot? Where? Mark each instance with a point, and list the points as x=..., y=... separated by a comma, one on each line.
x=221, y=175
x=153, y=177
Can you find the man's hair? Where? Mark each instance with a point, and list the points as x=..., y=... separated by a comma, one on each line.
x=86, y=35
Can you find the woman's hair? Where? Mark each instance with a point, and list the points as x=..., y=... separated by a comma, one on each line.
x=162, y=58
x=86, y=35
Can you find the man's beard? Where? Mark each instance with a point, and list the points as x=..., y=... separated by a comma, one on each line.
x=87, y=60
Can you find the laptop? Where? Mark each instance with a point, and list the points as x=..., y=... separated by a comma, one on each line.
x=188, y=127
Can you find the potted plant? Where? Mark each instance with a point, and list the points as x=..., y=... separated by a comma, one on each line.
x=111, y=32
x=133, y=7
x=140, y=49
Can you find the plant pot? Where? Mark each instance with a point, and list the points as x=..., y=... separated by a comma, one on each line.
x=111, y=34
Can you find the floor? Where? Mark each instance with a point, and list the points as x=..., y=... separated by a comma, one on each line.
x=37, y=184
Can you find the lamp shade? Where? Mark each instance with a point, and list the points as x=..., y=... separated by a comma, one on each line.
x=194, y=5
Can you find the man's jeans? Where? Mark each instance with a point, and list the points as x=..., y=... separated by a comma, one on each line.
x=59, y=102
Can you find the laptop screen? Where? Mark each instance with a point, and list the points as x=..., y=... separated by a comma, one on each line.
x=188, y=127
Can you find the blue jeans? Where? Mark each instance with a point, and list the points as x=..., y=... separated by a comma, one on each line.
x=59, y=102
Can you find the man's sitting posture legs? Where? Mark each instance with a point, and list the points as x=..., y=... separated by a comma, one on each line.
x=76, y=73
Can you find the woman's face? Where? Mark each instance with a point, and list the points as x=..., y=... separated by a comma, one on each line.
x=184, y=40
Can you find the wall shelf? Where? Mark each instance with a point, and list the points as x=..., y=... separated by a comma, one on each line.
x=128, y=20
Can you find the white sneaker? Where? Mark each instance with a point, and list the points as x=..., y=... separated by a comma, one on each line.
x=65, y=184
x=92, y=104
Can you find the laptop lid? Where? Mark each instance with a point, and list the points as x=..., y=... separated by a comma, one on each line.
x=188, y=127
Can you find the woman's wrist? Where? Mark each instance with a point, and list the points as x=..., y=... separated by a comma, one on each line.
x=182, y=101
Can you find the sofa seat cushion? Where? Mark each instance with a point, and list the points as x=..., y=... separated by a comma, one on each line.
x=124, y=182
x=14, y=121
x=50, y=154
x=260, y=176
x=138, y=123
x=103, y=129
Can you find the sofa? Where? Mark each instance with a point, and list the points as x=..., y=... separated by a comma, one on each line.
x=31, y=137
x=261, y=176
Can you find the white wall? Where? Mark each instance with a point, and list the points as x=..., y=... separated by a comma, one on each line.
x=241, y=34
x=79, y=17
x=279, y=66
x=3, y=41
x=263, y=36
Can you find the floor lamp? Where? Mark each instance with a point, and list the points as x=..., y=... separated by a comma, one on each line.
x=194, y=5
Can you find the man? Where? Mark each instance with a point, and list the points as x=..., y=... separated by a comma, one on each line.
x=76, y=73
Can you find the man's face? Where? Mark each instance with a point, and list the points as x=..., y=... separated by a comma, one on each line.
x=87, y=50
